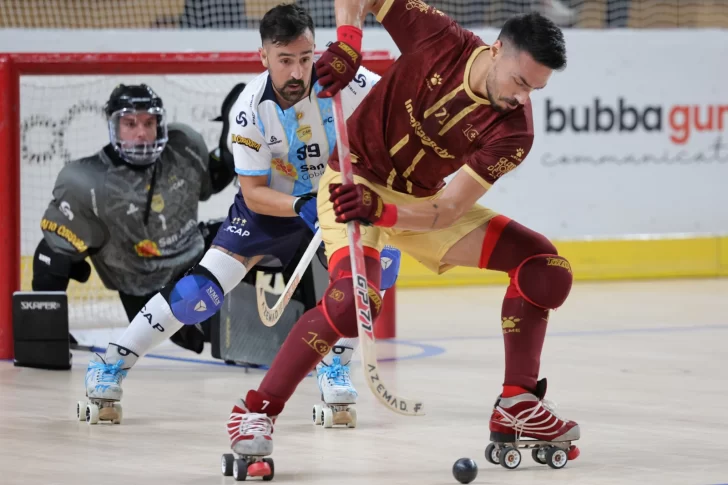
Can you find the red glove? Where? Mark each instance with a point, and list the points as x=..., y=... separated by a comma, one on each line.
x=356, y=202
x=337, y=66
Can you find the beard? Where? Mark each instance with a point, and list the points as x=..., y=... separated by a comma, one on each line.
x=498, y=103
x=292, y=95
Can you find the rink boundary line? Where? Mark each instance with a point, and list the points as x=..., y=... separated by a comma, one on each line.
x=426, y=350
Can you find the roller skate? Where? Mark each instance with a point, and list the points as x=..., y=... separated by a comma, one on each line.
x=250, y=438
x=103, y=386
x=528, y=421
x=337, y=393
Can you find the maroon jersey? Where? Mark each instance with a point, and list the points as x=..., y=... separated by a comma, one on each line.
x=421, y=122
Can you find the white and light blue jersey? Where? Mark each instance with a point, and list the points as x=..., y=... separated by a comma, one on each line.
x=290, y=146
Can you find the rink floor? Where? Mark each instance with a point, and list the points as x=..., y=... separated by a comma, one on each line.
x=641, y=367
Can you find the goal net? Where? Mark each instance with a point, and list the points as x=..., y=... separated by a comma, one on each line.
x=60, y=99
x=227, y=14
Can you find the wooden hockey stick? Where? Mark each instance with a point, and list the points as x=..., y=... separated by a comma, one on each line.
x=394, y=402
x=270, y=316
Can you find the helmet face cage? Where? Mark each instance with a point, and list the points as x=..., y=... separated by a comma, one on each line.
x=132, y=101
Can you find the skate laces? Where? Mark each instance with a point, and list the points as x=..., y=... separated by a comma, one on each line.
x=337, y=373
x=535, y=419
x=108, y=373
x=254, y=423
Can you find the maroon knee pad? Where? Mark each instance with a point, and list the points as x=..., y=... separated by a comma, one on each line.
x=544, y=280
x=340, y=308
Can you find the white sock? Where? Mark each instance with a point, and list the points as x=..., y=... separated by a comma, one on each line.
x=154, y=324
x=344, y=348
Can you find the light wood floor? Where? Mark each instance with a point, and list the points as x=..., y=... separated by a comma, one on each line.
x=641, y=366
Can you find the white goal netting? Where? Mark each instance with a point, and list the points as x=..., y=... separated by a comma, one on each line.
x=62, y=120
x=227, y=14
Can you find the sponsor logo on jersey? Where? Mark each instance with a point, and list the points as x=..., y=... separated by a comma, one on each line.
x=241, y=119
x=237, y=230
x=45, y=259
x=426, y=140
x=308, y=171
x=147, y=249
x=361, y=80
x=501, y=168
x=470, y=132
x=304, y=133
x=241, y=140
x=157, y=203
x=283, y=167
x=65, y=208
x=274, y=141
x=65, y=233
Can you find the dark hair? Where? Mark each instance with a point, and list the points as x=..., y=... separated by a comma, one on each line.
x=285, y=23
x=537, y=35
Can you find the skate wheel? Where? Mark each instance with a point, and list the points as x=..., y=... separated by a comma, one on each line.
x=269, y=477
x=227, y=464
x=573, y=453
x=539, y=455
x=327, y=418
x=240, y=470
x=317, y=417
x=509, y=457
x=492, y=454
x=92, y=413
x=556, y=457
x=352, y=422
x=117, y=408
x=259, y=469
x=81, y=410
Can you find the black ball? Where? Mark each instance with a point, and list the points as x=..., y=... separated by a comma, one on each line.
x=465, y=470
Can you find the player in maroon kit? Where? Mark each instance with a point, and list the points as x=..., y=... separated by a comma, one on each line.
x=450, y=102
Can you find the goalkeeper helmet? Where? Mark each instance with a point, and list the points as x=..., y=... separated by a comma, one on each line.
x=137, y=123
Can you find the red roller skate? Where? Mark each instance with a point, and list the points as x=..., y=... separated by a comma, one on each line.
x=251, y=438
x=529, y=421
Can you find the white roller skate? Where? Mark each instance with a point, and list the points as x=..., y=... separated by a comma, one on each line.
x=337, y=393
x=103, y=386
x=251, y=440
x=527, y=420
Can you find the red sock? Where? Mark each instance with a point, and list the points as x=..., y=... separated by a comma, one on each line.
x=309, y=341
x=505, y=246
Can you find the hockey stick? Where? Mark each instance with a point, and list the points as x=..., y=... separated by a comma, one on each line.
x=394, y=402
x=270, y=316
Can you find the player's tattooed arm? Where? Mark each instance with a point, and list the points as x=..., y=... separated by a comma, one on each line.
x=457, y=198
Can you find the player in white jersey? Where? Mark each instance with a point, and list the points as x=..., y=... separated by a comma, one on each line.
x=281, y=135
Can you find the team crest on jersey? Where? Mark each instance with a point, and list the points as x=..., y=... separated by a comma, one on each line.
x=283, y=167
x=147, y=249
x=157, y=203
x=304, y=133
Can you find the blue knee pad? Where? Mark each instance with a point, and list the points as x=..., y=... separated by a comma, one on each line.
x=390, y=258
x=196, y=297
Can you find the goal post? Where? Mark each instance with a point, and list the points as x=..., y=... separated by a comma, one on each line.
x=209, y=74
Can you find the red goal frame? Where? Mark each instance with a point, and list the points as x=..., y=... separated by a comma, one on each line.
x=12, y=66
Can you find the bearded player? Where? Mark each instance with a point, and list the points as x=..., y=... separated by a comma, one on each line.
x=449, y=104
